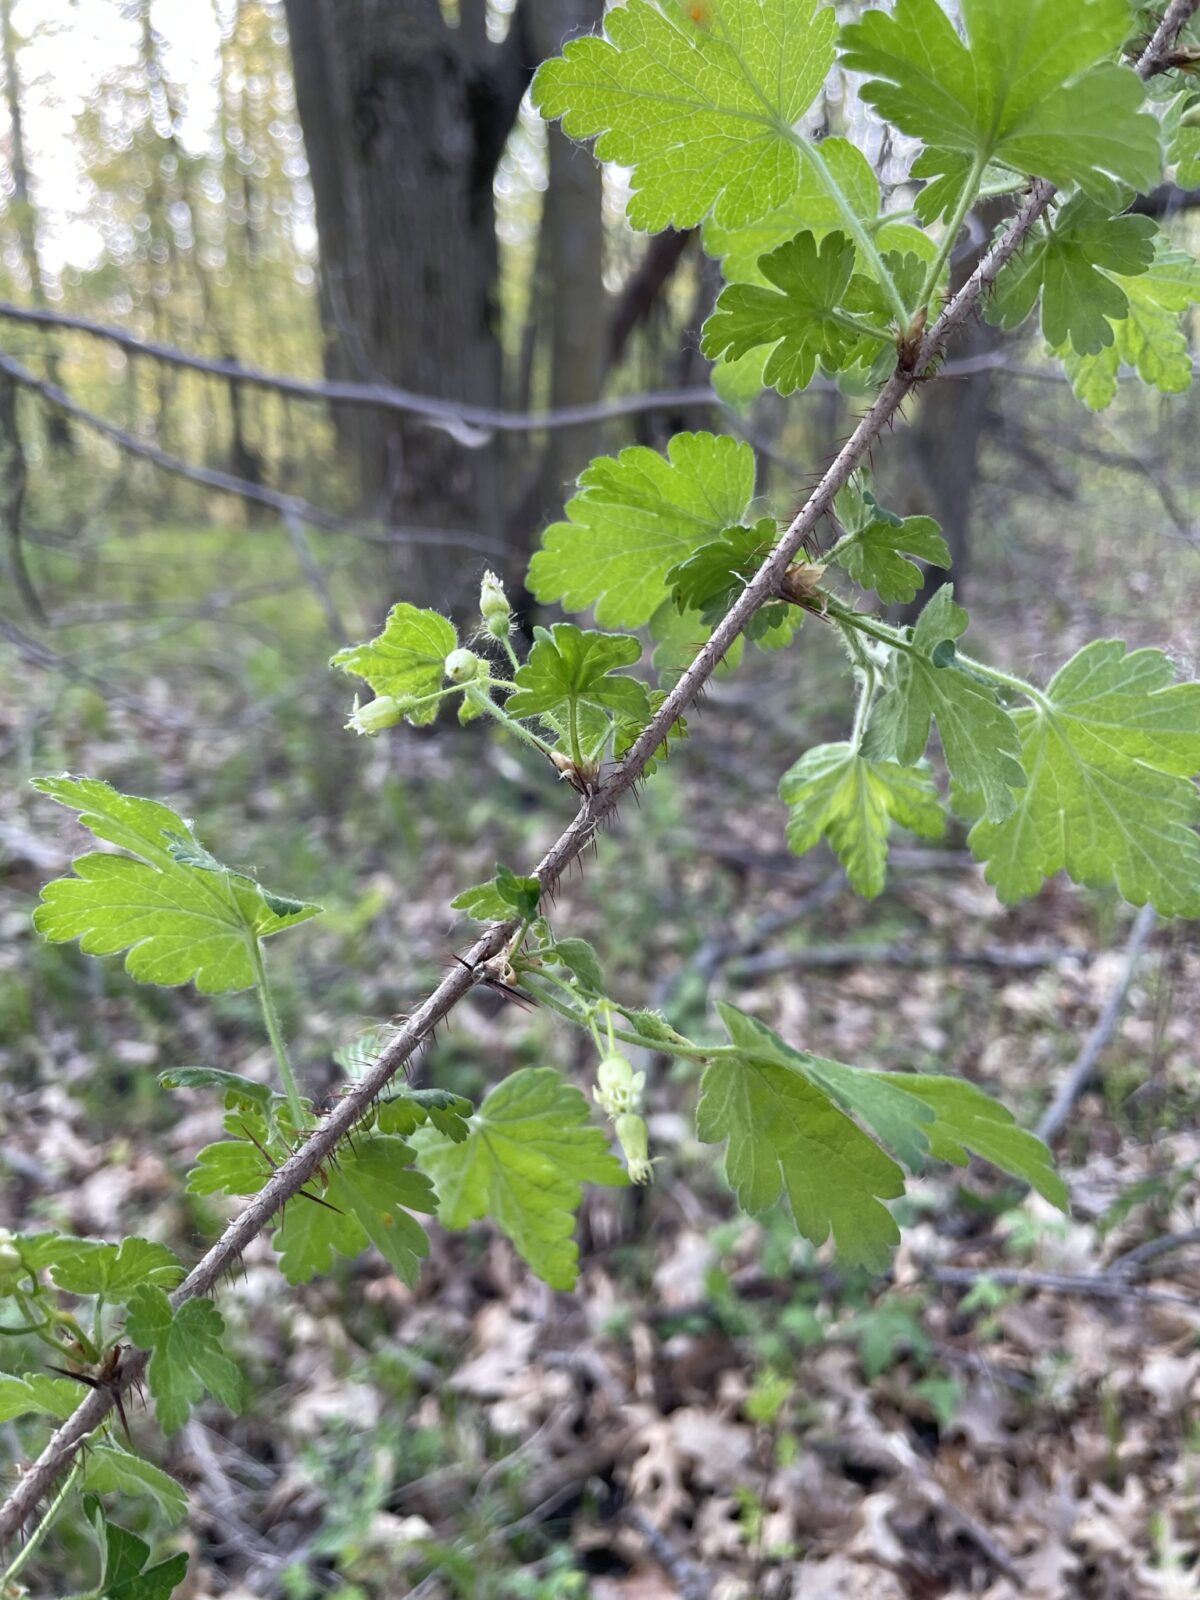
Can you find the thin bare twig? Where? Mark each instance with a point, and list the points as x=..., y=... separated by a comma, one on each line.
x=288, y=506
x=462, y=975
x=1054, y=1118
x=1100, y=1286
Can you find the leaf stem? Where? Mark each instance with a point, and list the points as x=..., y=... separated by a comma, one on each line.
x=572, y=1014
x=954, y=227
x=29, y=1550
x=275, y=1034
x=854, y=223
x=485, y=702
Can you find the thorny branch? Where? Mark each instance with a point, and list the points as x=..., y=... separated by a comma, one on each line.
x=225, y=1256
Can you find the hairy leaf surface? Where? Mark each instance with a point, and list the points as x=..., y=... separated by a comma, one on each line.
x=876, y=555
x=1151, y=336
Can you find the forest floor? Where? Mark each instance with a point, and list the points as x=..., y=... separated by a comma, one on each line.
x=718, y=1410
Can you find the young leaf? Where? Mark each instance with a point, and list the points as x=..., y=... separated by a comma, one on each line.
x=580, y=957
x=873, y=555
x=966, y=1119
x=114, y=1271
x=701, y=110
x=187, y=1357
x=231, y=1166
x=126, y=1575
x=410, y=1109
x=710, y=581
x=407, y=660
x=1150, y=337
x=1068, y=261
x=919, y=1116
x=979, y=737
x=110, y=1469
x=1110, y=749
x=834, y=791
x=236, y=1090
x=804, y=317
x=810, y=208
x=1022, y=90
x=36, y=1395
x=523, y=1166
x=500, y=898
x=636, y=515
x=367, y=1200
x=785, y=1136
x=175, y=921
x=570, y=670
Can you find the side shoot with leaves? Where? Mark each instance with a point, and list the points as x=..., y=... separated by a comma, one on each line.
x=713, y=109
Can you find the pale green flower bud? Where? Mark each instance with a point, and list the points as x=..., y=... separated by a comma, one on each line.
x=385, y=711
x=462, y=665
x=634, y=1137
x=10, y=1256
x=494, y=607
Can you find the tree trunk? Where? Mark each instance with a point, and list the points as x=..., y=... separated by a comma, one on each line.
x=404, y=120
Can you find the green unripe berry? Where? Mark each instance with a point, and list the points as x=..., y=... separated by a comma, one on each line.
x=462, y=665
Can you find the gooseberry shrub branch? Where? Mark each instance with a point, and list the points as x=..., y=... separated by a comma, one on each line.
x=816, y=277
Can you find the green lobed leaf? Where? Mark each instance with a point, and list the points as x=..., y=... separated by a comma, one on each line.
x=1068, y=262
x=177, y=923
x=571, y=672
x=1110, y=748
x=810, y=208
x=835, y=792
x=236, y=1090
x=115, y=1270
x=581, y=959
x=409, y=1109
x=876, y=555
x=786, y=1137
x=712, y=579
x=919, y=1116
x=37, y=1395
x=529, y=1152
x=1022, y=90
x=367, y=1200
x=698, y=100
x=501, y=898
x=108, y=1468
x=231, y=1166
x=635, y=516
x=187, y=1357
x=978, y=736
x=1151, y=337
x=407, y=660
x=805, y=316
x=126, y=1575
